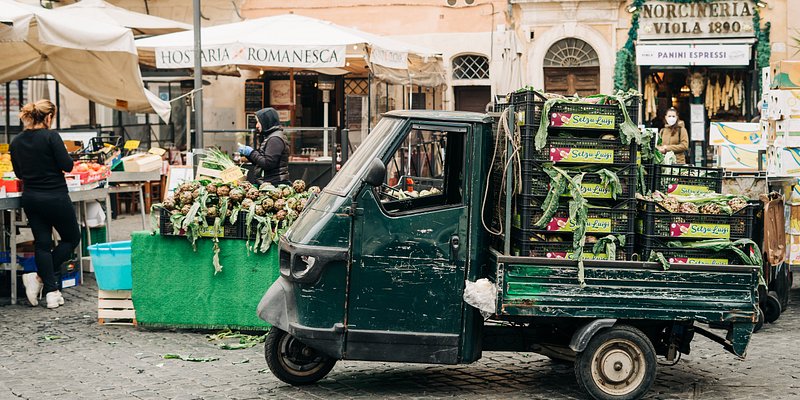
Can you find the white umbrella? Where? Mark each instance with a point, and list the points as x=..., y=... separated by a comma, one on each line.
x=140, y=24
x=290, y=41
x=93, y=59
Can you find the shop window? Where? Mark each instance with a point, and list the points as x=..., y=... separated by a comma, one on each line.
x=425, y=171
x=470, y=66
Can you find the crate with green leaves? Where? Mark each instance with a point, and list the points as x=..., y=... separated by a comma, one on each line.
x=685, y=180
x=578, y=150
x=535, y=108
x=705, y=252
x=591, y=247
x=613, y=219
x=611, y=183
x=707, y=216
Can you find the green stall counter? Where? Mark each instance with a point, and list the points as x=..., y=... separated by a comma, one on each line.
x=175, y=286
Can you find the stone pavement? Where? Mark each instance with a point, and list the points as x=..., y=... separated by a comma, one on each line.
x=65, y=354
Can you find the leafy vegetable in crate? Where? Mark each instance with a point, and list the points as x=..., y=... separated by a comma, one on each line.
x=704, y=203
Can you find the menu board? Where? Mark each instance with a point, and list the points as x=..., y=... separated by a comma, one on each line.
x=253, y=96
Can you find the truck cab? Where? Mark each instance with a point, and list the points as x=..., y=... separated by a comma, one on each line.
x=376, y=266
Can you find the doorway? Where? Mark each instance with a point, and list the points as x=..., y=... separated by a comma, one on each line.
x=472, y=98
x=571, y=66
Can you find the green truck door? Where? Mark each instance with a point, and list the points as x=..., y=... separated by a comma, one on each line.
x=408, y=268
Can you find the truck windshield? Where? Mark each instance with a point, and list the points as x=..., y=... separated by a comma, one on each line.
x=351, y=172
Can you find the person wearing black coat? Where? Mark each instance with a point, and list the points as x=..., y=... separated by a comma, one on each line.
x=271, y=158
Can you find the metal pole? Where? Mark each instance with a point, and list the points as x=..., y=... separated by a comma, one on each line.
x=345, y=145
x=8, y=112
x=198, y=80
x=509, y=186
x=58, y=106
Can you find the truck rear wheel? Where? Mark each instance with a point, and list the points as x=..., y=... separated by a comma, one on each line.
x=291, y=361
x=617, y=364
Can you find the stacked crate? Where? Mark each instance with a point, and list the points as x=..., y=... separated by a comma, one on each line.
x=661, y=230
x=581, y=138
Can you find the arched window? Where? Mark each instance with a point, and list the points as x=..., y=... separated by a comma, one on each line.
x=571, y=52
x=470, y=66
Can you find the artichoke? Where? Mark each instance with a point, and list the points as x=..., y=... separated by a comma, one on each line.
x=292, y=215
x=185, y=187
x=185, y=209
x=670, y=204
x=169, y=203
x=314, y=190
x=236, y=195
x=186, y=198
x=287, y=191
x=211, y=212
x=260, y=210
x=737, y=204
x=253, y=193
x=246, y=186
x=267, y=203
x=299, y=186
x=228, y=213
x=246, y=203
x=711, y=208
x=195, y=194
x=280, y=204
x=194, y=186
x=211, y=189
x=223, y=190
x=689, y=208
x=275, y=194
x=291, y=203
x=280, y=215
x=301, y=205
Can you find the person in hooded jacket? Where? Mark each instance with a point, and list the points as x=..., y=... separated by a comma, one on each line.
x=674, y=137
x=271, y=158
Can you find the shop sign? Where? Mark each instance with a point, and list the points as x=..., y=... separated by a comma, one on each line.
x=280, y=93
x=254, y=55
x=388, y=58
x=587, y=121
x=687, y=54
x=570, y=154
x=706, y=19
x=700, y=231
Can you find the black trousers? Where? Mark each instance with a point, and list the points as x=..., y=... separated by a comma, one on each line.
x=46, y=211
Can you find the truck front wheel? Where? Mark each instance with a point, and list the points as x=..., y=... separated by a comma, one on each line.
x=617, y=364
x=292, y=361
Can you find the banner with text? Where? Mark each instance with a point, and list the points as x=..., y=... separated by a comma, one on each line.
x=680, y=54
x=697, y=19
x=254, y=55
x=388, y=58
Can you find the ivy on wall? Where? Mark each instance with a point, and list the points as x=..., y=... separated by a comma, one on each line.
x=625, y=76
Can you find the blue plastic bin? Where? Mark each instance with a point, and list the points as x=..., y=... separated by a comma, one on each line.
x=112, y=265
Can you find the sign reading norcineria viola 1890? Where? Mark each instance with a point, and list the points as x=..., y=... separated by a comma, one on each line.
x=712, y=19
x=243, y=54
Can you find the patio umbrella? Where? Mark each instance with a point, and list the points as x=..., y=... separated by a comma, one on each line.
x=140, y=24
x=93, y=59
x=293, y=42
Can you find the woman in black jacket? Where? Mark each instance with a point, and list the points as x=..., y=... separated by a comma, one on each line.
x=271, y=159
x=40, y=159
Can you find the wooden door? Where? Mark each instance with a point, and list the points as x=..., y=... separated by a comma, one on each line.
x=472, y=98
x=567, y=81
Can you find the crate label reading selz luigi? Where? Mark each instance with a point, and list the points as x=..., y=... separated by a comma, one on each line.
x=687, y=190
x=593, y=191
x=700, y=261
x=209, y=231
x=691, y=230
x=571, y=256
x=586, y=121
x=596, y=225
x=569, y=154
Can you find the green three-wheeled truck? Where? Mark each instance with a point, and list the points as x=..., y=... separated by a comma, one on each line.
x=375, y=270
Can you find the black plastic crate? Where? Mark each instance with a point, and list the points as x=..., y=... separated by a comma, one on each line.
x=229, y=231
x=97, y=143
x=618, y=219
x=409, y=183
x=559, y=109
x=686, y=180
x=536, y=182
x=527, y=244
x=528, y=106
x=645, y=245
x=578, y=150
x=655, y=221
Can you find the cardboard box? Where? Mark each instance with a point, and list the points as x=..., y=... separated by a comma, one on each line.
x=784, y=133
x=783, y=161
x=141, y=163
x=741, y=158
x=785, y=75
x=783, y=104
x=737, y=133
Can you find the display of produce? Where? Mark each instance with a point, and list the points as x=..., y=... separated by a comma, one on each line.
x=90, y=172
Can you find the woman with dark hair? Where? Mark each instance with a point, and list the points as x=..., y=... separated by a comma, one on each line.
x=40, y=159
x=674, y=137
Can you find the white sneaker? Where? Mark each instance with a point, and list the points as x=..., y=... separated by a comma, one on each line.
x=54, y=299
x=33, y=287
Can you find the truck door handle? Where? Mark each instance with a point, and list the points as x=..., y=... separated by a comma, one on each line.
x=455, y=243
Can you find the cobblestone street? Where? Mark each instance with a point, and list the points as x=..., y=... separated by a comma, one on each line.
x=65, y=354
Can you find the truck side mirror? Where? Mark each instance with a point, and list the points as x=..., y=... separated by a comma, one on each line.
x=376, y=173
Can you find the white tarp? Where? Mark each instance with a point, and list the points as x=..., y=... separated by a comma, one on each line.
x=93, y=59
x=287, y=41
x=140, y=24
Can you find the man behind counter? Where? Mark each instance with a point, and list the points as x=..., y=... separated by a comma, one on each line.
x=271, y=158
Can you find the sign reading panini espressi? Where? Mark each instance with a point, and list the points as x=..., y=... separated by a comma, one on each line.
x=255, y=55
x=687, y=54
